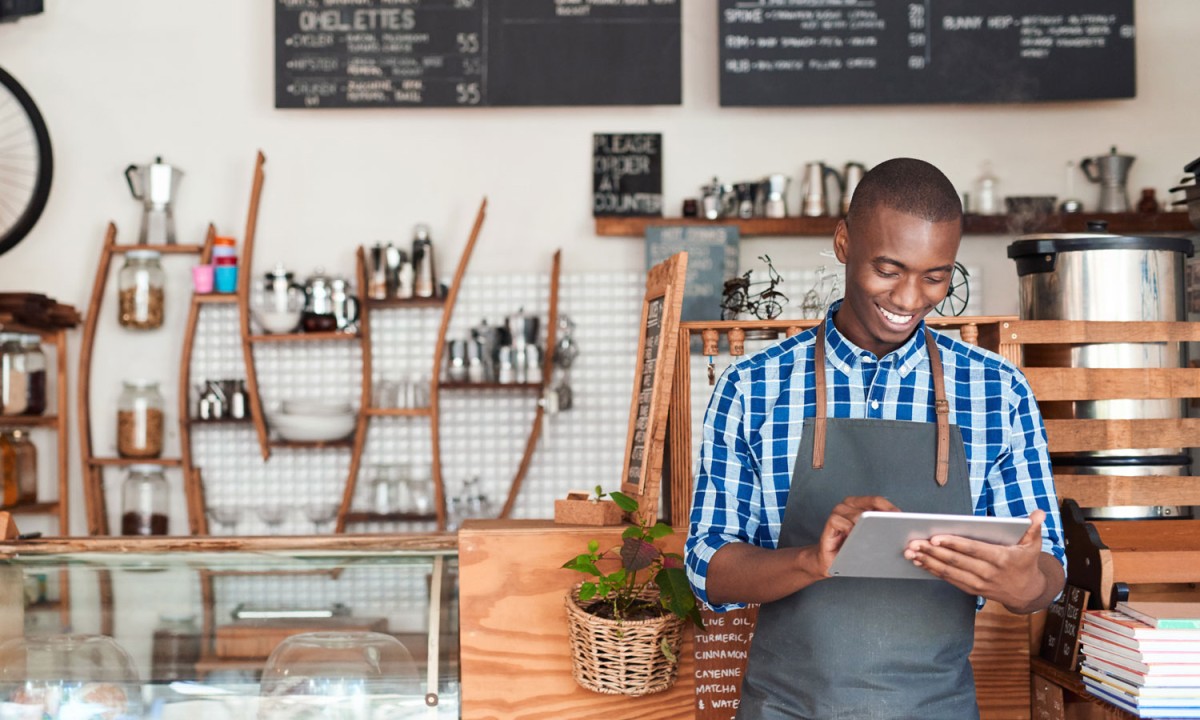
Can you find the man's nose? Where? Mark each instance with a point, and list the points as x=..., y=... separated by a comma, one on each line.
x=907, y=294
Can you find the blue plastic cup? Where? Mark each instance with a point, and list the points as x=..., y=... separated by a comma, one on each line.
x=225, y=278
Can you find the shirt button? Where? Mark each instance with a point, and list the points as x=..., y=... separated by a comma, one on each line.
x=874, y=404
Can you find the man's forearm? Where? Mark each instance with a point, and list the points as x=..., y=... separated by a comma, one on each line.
x=744, y=573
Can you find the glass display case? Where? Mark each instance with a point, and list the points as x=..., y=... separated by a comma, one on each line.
x=273, y=627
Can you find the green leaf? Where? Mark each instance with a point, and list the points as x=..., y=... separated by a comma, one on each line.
x=637, y=554
x=666, y=651
x=676, y=593
x=593, y=545
x=599, y=492
x=660, y=530
x=623, y=501
x=587, y=591
x=633, y=531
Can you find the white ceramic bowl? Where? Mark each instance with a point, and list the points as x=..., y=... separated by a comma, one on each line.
x=313, y=428
x=276, y=322
x=315, y=407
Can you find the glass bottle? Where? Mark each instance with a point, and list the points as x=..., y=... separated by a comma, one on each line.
x=26, y=466
x=10, y=485
x=140, y=420
x=175, y=648
x=144, y=501
x=14, y=379
x=1148, y=203
x=140, y=290
x=35, y=369
x=987, y=192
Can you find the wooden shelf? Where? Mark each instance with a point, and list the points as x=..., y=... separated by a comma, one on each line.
x=972, y=224
x=40, y=508
x=406, y=302
x=398, y=412
x=215, y=298
x=489, y=386
x=365, y=517
x=126, y=462
x=21, y=421
x=312, y=444
x=164, y=249
x=305, y=337
x=44, y=606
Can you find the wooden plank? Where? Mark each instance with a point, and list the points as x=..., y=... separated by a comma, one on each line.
x=364, y=402
x=1000, y=661
x=126, y=462
x=1082, y=435
x=1146, y=566
x=282, y=545
x=1149, y=535
x=516, y=660
x=1117, y=490
x=1112, y=384
x=192, y=497
x=334, y=336
x=93, y=491
x=1079, y=332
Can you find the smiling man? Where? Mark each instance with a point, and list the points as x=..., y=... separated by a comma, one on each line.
x=871, y=410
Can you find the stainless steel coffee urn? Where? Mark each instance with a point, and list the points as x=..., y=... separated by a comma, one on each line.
x=1101, y=276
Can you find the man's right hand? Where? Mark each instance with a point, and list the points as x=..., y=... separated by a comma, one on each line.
x=841, y=521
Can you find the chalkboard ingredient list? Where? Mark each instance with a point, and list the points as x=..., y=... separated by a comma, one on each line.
x=449, y=53
x=844, y=52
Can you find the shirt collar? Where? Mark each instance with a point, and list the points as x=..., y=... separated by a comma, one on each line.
x=845, y=355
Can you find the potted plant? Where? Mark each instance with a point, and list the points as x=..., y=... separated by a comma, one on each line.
x=626, y=624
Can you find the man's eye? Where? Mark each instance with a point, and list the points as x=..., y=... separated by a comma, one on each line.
x=935, y=279
x=886, y=274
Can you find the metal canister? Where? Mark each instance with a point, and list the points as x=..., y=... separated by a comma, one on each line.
x=1100, y=276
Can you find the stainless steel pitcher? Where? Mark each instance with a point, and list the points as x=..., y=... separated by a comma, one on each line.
x=156, y=186
x=815, y=201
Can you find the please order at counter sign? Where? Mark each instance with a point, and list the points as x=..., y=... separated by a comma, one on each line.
x=627, y=174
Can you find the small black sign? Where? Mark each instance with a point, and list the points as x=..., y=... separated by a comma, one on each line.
x=627, y=174
x=856, y=52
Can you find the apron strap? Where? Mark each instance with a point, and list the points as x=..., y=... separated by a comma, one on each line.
x=941, y=406
x=818, y=458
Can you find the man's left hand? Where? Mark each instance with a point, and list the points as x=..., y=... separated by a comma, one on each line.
x=1013, y=575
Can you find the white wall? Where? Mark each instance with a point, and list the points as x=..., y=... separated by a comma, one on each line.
x=120, y=81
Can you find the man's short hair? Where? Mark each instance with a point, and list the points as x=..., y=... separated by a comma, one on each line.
x=912, y=186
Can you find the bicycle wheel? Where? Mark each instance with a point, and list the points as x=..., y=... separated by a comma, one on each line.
x=26, y=163
x=958, y=294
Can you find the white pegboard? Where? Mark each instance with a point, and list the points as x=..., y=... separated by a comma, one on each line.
x=483, y=431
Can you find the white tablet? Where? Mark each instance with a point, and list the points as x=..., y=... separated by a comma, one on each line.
x=875, y=547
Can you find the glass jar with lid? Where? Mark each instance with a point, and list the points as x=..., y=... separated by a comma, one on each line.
x=26, y=459
x=175, y=648
x=35, y=371
x=140, y=420
x=14, y=377
x=144, y=501
x=140, y=290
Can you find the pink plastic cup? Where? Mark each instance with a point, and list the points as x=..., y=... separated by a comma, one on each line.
x=202, y=279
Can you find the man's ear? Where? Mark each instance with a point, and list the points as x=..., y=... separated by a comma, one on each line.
x=841, y=242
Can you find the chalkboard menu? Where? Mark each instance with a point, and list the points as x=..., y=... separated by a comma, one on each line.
x=653, y=374
x=850, y=52
x=712, y=258
x=449, y=53
x=721, y=651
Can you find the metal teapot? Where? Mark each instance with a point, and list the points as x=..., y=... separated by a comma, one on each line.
x=1110, y=172
x=156, y=186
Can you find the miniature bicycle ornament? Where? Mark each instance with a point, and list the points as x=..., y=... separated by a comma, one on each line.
x=740, y=296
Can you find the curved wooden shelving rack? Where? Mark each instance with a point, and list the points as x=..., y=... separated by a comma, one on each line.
x=535, y=431
x=193, y=485
x=95, y=505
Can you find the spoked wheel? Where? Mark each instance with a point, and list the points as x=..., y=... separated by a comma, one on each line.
x=26, y=163
x=958, y=294
x=733, y=303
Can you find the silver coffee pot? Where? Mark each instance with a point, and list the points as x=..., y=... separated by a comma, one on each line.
x=1111, y=172
x=852, y=175
x=774, y=189
x=815, y=199
x=345, y=305
x=156, y=186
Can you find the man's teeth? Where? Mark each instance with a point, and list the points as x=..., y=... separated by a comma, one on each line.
x=898, y=319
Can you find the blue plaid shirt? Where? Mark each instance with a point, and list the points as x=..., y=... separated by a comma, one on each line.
x=753, y=422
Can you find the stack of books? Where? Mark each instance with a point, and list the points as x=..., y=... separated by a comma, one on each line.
x=1144, y=657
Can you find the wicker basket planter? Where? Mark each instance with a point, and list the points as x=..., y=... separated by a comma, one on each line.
x=622, y=658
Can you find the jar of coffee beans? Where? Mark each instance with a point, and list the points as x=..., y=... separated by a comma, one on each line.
x=140, y=420
x=140, y=290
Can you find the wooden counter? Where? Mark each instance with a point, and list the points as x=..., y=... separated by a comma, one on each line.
x=516, y=661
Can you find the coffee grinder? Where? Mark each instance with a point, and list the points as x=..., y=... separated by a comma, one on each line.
x=155, y=185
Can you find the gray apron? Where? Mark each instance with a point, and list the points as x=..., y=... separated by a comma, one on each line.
x=860, y=647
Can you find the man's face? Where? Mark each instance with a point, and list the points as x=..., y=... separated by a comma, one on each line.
x=897, y=269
